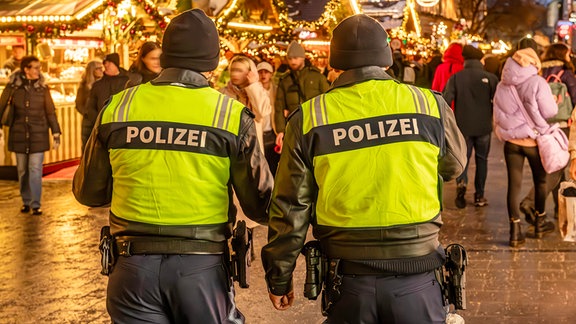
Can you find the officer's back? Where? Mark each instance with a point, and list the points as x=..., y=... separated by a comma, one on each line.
x=167, y=155
x=364, y=166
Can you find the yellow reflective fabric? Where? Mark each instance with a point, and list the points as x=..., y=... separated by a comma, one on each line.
x=377, y=186
x=153, y=185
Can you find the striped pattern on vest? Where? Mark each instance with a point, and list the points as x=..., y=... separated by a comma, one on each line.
x=170, y=161
x=375, y=161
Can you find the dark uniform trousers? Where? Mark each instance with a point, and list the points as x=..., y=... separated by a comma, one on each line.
x=367, y=299
x=171, y=289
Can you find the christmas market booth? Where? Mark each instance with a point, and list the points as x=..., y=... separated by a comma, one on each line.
x=65, y=35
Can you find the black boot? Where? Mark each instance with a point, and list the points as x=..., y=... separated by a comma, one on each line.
x=516, y=236
x=542, y=226
x=529, y=212
x=460, y=193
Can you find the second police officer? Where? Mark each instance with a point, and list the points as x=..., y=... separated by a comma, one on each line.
x=364, y=164
x=166, y=155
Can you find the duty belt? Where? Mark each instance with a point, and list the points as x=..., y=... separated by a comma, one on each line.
x=133, y=245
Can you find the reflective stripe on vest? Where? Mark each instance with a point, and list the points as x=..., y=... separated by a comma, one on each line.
x=169, y=159
x=376, y=165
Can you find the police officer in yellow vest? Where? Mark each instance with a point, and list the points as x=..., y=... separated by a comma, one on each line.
x=166, y=155
x=364, y=164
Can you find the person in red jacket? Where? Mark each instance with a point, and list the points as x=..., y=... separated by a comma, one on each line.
x=452, y=62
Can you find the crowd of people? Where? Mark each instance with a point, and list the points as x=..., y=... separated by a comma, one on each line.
x=299, y=143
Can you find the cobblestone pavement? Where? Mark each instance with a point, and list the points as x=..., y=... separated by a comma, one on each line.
x=49, y=271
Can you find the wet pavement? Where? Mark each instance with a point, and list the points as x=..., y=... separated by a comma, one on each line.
x=49, y=270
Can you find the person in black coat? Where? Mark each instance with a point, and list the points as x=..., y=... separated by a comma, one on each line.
x=114, y=80
x=472, y=90
x=33, y=115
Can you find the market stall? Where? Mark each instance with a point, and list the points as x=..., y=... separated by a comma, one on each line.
x=65, y=36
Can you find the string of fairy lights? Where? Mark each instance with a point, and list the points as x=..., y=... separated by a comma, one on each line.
x=44, y=26
x=122, y=21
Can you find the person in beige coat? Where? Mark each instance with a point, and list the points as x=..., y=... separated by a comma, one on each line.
x=244, y=86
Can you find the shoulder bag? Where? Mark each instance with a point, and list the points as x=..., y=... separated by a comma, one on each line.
x=8, y=114
x=552, y=144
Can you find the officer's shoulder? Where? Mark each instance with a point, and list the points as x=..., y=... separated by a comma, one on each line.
x=249, y=112
x=297, y=111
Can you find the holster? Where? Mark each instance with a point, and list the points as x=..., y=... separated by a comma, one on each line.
x=108, y=251
x=331, y=293
x=240, y=257
x=453, y=276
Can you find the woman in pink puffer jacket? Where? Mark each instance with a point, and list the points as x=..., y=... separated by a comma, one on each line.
x=522, y=92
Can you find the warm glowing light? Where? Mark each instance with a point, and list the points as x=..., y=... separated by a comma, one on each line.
x=427, y=3
x=355, y=7
x=89, y=9
x=316, y=43
x=250, y=26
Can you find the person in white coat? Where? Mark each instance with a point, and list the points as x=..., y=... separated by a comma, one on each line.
x=244, y=86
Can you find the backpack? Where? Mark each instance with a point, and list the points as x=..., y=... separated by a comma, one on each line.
x=561, y=96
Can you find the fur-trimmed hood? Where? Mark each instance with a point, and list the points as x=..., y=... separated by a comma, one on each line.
x=18, y=78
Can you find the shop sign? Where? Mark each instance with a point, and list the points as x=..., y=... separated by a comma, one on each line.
x=12, y=40
x=563, y=28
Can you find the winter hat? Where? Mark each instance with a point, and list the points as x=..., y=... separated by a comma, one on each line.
x=528, y=43
x=191, y=42
x=295, y=50
x=527, y=56
x=265, y=66
x=470, y=52
x=359, y=41
x=113, y=58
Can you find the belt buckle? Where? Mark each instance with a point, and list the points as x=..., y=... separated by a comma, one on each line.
x=124, y=248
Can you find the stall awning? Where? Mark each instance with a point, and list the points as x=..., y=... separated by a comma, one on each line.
x=41, y=8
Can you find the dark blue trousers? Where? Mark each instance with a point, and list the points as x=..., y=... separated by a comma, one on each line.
x=481, y=147
x=413, y=299
x=164, y=289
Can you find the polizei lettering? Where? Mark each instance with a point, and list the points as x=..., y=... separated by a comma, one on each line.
x=376, y=130
x=166, y=135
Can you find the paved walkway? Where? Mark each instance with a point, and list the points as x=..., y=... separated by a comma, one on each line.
x=50, y=264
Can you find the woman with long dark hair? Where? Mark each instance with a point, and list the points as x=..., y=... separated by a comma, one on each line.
x=147, y=64
x=94, y=71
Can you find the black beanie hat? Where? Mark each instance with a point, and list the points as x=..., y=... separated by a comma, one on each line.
x=359, y=41
x=470, y=52
x=191, y=42
x=113, y=58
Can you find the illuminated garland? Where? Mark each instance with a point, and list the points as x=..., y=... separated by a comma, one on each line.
x=285, y=31
x=410, y=11
x=287, y=25
x=60, y=27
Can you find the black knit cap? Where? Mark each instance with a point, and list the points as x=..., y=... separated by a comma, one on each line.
x=359, y=41
x=113, y=58
x=470, y=52
x=191, y=42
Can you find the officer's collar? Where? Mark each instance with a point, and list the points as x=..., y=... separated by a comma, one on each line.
x=181, y=77
x=353, y=76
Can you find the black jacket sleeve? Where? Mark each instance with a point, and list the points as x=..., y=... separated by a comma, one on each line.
x=250, y=174
x=92, y=184
x=449, y=92
x=291, y=209
x=452, y=163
